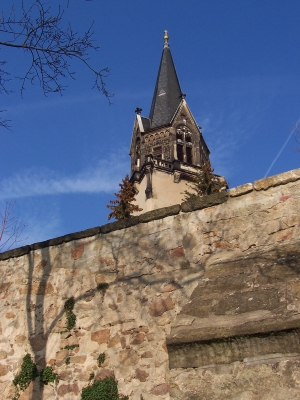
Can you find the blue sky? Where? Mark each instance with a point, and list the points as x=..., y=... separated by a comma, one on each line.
x=237, y=61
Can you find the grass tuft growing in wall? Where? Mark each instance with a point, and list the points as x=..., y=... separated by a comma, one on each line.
x=47, y=375
x=27, y=374
x=106, y=389
x=71, y=317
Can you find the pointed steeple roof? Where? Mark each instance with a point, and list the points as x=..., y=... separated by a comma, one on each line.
x=167, y=94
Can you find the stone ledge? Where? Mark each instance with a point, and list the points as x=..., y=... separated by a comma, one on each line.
x=159, y=213
x=276, y=180
x=204, y=202
x=229, y=350
x=18, y=252
x=240, y=190
x=121, y=224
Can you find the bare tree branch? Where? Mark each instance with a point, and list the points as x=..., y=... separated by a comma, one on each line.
x=11, y=229
x=51, y=46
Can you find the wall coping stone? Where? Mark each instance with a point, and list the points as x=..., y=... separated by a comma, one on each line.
x=159, y=213
x=276, y=180
x=187, y=206
x=240, y=190
x=204, y=202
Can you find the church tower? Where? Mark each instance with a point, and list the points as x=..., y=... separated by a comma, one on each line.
x=167, y=149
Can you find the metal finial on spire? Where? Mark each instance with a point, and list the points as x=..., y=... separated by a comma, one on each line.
x=166, y=37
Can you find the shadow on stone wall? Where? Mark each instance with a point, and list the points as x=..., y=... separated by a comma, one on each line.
x=198, y=266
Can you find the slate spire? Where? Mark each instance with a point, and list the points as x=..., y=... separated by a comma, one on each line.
x=167, y=93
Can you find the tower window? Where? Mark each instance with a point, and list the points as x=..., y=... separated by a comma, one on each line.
x=184, y=147
x=180, y=152
x=157, y=152
x=137, y=152
x=189, y=158
x=188, y=138
x=179, y=135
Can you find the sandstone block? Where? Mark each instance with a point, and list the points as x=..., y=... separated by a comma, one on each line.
x=128, y=357
x=4, y=286
x=78, y=359
x=141, y=375
x=147, y=354
x=101, y=336
x=61, y=357
x=38, y=343
x=240, y=190
x=104, y=373
x=3, y=370
x=65, y=389
x=177, y=252
x=65, y=375
x=159, y=213
x=114, y=341
x=121, y=224
x=170, y=287
x=160, y=306
x=284, y=235
x=138, y=339
x=77, y=251
x=275, y=180
x=10, y=315
x=38, y=288
x=20, y=339
x=161, y=389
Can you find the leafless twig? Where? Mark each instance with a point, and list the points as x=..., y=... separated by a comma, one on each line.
x=51, y=46
x=11, y=229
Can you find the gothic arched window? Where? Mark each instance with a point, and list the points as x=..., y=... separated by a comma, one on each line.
x=184, y=145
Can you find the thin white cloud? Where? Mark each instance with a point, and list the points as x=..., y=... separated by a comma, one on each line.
x=103, y=177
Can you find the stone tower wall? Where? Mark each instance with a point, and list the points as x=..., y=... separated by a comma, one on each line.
x=203, y=301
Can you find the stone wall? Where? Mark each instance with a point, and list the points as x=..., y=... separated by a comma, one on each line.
x=203, y=301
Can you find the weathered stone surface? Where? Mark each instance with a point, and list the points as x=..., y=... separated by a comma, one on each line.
x=204, y=202
x=160, y=306
x=223, y=283
x=20, y=339
x=240, y=190
x=177, y=252
x=3, y=370
x=128, y=357
x=141, y=375
x=38, y=343
x=66, y=389
x=100, y=336
x=242, y=348
x=170, y=287
x=121, y=224
x=104, y=373
x=114, y=341
x=15, y=253
x=138, y=338
x=147, y=354
x=160, y=390
x=78, y=359
x=39, y=288
x=159, y=213
x=274, y=381
x=275, y=180
x=61, y=356
x=77, y=251
x=4, y=286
